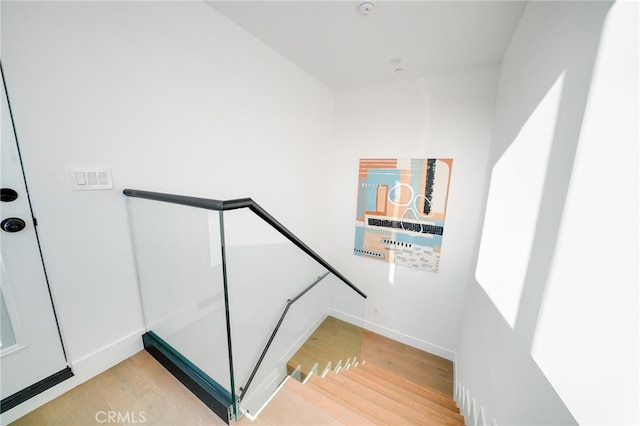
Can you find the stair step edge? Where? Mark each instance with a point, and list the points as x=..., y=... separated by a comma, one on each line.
x=401, y=395
x=371, y=397
x=362, y=406
x=401, y=381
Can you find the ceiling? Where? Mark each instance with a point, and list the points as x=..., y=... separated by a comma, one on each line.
x=343, y=49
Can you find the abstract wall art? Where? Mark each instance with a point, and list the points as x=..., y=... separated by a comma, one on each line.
x=401, y=209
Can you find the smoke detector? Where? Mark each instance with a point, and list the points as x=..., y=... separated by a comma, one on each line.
x=396, y=66
x=366, y=8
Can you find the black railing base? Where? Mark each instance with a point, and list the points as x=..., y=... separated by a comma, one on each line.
x=35, y=389
x=202, y=386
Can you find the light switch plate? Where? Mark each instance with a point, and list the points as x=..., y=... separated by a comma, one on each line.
x=90, y=178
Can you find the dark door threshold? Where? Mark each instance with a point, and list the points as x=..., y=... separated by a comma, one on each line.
x=33, y=390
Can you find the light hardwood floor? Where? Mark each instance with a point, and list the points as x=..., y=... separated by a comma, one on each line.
x=140, y=391
x=337, y=340
x=136, y=391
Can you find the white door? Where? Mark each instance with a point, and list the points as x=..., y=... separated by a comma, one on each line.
x=31, y=351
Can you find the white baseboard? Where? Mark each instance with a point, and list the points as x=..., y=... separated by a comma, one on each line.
x=395, y=335
x=411, y=341
x=83, y=369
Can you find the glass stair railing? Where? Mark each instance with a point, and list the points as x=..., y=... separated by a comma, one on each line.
x=230, y=296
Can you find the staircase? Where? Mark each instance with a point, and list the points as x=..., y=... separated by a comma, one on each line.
x=395, y=385
x=334, y=344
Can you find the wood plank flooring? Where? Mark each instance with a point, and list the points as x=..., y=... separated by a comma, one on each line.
x=336, y=341
x=137, y=391
x=415, y=365
x=397, y=385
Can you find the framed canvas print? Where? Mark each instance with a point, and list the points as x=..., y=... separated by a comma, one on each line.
x=401, y=209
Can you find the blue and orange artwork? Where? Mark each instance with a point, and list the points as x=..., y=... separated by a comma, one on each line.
x=402, y=204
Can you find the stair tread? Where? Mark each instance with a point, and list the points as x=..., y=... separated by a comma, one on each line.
x=408, y=385
x=338, y=411
x=353, y=401
x=418, y=366
x=397, y=383
x=418, y=402
x=287, y=407
x=367, y=397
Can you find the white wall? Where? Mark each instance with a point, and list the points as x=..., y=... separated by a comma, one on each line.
x=566, y=350
x=446, y=116
x=173, y=97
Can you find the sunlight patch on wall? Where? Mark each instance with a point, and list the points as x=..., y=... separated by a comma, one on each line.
x=586, y=339
x=514, y=198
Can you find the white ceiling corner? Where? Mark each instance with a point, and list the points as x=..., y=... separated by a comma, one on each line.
x=331, y=41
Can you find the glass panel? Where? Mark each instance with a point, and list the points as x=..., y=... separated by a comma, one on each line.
x=264, y=272
x=335, y=337
x=179, y=260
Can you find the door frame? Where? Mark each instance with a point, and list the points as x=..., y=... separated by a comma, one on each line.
x=30, y=391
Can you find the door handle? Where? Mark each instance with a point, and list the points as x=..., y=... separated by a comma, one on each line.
x=13, y=224
x=8, y=195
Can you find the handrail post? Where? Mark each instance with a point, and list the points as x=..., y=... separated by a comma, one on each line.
x=225, y=287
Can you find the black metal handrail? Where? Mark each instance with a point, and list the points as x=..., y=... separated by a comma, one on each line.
x=243, y=390
x=218, y=205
